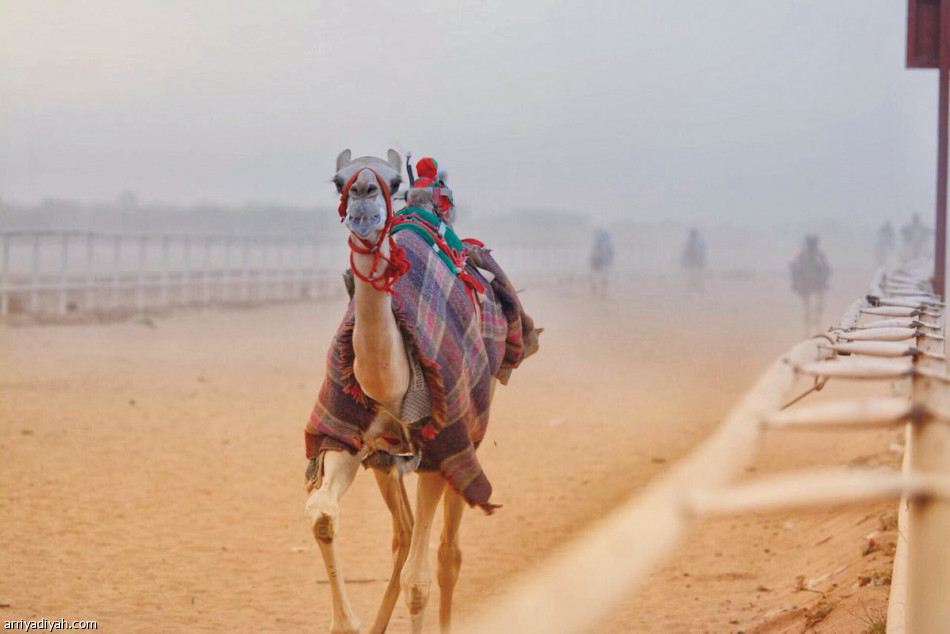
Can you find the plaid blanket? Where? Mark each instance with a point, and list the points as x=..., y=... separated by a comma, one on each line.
x=459, y=355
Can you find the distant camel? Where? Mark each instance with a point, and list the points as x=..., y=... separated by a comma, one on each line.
x=410, y=379
x=810, y=274
x=601, y=261
x=694, y=260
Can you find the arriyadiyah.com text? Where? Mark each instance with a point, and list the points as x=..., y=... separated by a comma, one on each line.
x=23, y=625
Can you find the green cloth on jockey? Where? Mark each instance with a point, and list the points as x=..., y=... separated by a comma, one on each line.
x=448, y=235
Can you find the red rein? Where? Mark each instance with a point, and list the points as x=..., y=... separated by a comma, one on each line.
x=397, y=264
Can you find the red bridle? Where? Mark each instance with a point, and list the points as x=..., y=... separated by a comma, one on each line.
x=397, y=264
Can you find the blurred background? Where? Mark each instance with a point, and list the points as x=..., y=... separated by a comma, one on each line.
x=754, y=122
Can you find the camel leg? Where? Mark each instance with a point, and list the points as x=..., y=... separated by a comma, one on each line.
x=416, y=577
x=394, y=494
x=323, y=508
x=450, y=556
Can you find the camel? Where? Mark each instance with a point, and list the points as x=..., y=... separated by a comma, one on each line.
x=395, y=398
x=693, y=260
x=601, y=260
x=810, y=274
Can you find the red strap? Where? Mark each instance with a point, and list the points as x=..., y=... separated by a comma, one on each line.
x=457, y=258
x=397, y=264
x=466, y=277
x=471, y=284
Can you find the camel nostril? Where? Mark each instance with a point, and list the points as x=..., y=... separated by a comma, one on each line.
x=364, y=190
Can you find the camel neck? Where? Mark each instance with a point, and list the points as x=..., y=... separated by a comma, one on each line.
x=371, y=303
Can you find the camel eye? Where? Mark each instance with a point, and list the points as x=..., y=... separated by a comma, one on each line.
x=394, y=184
x=339, y=185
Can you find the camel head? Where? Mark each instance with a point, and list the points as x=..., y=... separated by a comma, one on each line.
x=365, y=213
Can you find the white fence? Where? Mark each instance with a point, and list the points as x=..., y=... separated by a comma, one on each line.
x=46, y=271
x=55, y=272
x=895, y=334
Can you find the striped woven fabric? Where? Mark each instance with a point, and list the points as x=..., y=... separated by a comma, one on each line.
x=459, y=357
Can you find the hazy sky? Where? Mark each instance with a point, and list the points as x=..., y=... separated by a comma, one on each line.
x=694, y=111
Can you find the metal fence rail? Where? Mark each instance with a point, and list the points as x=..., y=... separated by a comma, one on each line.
x=56, y=271
x=52, y=271
x=894, y=334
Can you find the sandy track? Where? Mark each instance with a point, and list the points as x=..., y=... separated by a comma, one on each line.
x=152, y=472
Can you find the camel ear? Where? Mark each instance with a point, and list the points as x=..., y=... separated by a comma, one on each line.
x=343, y=159
x=394, y=160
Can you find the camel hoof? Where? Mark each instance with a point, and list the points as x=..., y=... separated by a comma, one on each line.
x=323, y=529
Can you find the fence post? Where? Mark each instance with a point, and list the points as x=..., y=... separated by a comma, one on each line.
x=63, y=273
x=206, y=271
x=90, y=265
x=116, y=262
x=281, y=272
x=245, y=265
x=229, y=269
x=5, y=280
x=300, y=273
x=35, y=276
x=140, y=295
x=226, y=274
x=263, y=294
x=186, y=273
x=166, y=245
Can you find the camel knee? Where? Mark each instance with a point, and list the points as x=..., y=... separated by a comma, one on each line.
x=415, y=581
x=417, y=595
x=450, y=562
x=324, y=514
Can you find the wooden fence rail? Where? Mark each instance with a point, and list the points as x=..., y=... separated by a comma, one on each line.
x=573, y=590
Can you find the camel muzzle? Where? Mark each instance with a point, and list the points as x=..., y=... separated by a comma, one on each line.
x=363, y=217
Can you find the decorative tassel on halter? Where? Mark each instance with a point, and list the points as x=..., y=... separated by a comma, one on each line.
x=397, y=264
